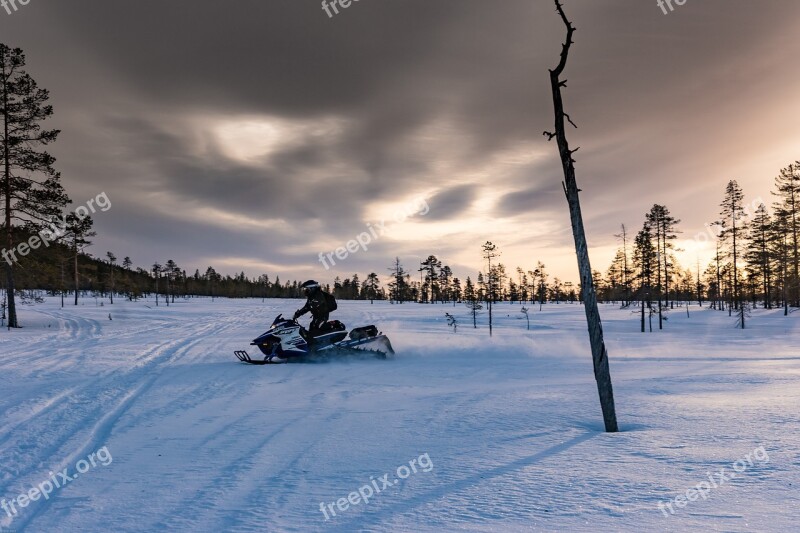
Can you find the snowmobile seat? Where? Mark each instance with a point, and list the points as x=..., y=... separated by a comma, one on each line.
x=364, y=332
x=332, y=326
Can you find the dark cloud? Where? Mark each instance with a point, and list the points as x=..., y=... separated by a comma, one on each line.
x=539, y=199
x=393, y=99
x=451, y=202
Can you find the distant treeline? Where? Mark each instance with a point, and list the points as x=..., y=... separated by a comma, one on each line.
x=755, y=263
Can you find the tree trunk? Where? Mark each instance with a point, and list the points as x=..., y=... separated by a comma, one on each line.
x=12, y=306
x=796, y=295
x=490, y=300
x=658, y=273
x=599, y=354
x=736, y=298
x=75, y=249
x=642, y=314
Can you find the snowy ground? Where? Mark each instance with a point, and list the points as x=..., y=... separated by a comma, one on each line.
x=505, y=434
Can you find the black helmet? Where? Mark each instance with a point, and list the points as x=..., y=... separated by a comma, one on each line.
x=310, y=287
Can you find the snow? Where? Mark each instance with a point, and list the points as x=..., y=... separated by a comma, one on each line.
x=511, y=425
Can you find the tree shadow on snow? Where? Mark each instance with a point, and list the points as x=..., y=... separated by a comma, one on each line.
x=368, y=518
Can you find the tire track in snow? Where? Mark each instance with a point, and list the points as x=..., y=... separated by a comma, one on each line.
x=76, y=327
x=252, y=466
x=249, y=475
x=86, y=394
x=374, y=516
x=70, y=331
x=101, y=430
x=59, y=349
x=42, y=407
x=54, y=403
x=236, y=471
x=274, y=500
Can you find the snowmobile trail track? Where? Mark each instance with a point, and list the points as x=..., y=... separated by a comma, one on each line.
x=99, y=431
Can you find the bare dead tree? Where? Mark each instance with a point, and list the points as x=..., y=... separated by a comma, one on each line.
x=599, y=354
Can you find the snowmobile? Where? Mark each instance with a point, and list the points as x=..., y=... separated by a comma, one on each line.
x=286, y=341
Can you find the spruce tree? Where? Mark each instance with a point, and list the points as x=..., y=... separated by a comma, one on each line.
x=625, y=271
x=397, y=286
x=781, y=251
x=663, y=226
x=788, y=191
x=645, y=261
x=733, y=233
x=79, y=229
x=372, y=285
x=759, y=252
x=112, y=260
x=472, y=301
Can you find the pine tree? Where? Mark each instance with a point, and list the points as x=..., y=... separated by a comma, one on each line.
x=498, y=277
x=127, y=284
x=79, y=229
x=431, y=281
x=541, y=288
x=599, y=285
x=718, y=269
x=626, y=271
x=521, y=287
x=699, y=287
x=158, y=269
x=788, y=192
x=686, y=287
x=733, y=232
x=646, y=263
x=372, y=285
x=712, y=283
x=445, y=283
x=556, y=290
x=112, y=260
x=759, y=252
x=31, y=191
x=211, y=276
x=398, y=286
x=781, y=251
x=472, y=301
x=170, y=271
x=662, y=225
x=456, y=291
x=490, y=252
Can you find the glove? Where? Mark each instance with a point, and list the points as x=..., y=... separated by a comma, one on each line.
x=296, y=315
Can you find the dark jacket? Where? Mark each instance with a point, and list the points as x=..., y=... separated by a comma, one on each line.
x=317, y=304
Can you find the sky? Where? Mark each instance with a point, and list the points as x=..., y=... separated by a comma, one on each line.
x=259, y=135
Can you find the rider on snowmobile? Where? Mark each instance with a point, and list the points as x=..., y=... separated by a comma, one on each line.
x=317, y=303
